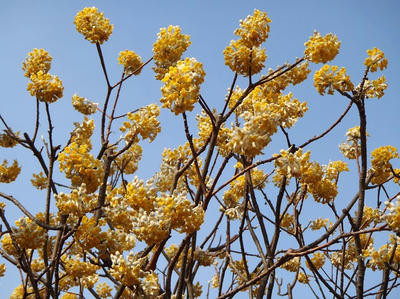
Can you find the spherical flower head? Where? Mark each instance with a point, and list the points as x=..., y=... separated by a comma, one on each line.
x=331, y=78
x=37, y=60
x=375, y=88
x=380, y=160
x=131, y=62
x=7, y=140
x=9, y=174
x=168, y=49
x=83, y=105
x=93, y=25
x=45, y=87
x=182, y=85
x=321, y=49
x=254, y=29
x=244, y=60
x=376, y=59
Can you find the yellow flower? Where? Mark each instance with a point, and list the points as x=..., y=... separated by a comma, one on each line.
x=83, y=105
x=131, y=62
x=7, y=141
x=375, y=88
x=321, y=49
x=182, y=85
x=254, y=29
x=376, y=58
x=318, y=260
x=244, y=60
x=2, y=269
x=93, y=25
x=39, y=181
x=328, y=77
x=9, y=174
x=103, y=290
x=45, y=87
x=37, y=60
x=380, y=158
x=168, y=49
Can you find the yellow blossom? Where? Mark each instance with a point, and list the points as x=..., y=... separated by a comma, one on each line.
x=182, y=85
x=39, y=181
x=45, y=87
x=93, y=25
x=393, y=216
x=380, y=158
x=37, y=60
x=2, y=269
x=83, y=105
x=168, y=49
x=8, y=174
x=244, y=60
x=103, y=290
x=318, y=260
x=254, y=29
x=321, y=49
x=303, y=278
x=375, y=88
x=7, y=140
x=351, y=148
x=376, y=59
x=319, y=223
x=28, y=235
x=292, y=265
x=328, y=77
x=131, y=62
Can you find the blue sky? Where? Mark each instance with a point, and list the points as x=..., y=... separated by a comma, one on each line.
x=359, y=25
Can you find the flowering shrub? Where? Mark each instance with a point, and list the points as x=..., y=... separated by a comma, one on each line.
x=107, y=233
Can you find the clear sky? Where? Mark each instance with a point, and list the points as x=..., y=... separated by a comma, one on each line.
x=24, y=25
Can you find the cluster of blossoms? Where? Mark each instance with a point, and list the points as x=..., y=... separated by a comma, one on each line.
x=319, y=223
x=77, y=203
x=262, y=113
x=328, y=77
x=393, y=217
x=388, y=255
x=28, y=235
x=83, y=105
x=375, y=88
x=292, y=265
x=381, y=166
x=93, y=25
x=168, y=49
x=131, y=62
x=320, y=180
x=9, y=174
x=321, y=49
x=47, y=88
x=303, y=278
x=351, y=148
x=318, y=261
x=245, y=56
x=376, y=59
x=143, y=123
x=39, y=181
x=129, y=160
x=80, y=272
x=182, y=85
x=129, y=271
x=7, y=140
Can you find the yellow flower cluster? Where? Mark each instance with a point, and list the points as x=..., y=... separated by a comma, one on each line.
x=292, y=265
x=79, y=269
x=321, y=49
x=375, y=88
x=371, y=215
x=380, y=158
x=244, y=60
x=328, y=77
x=9, y=174
x=39, y=181
x=7, y=141
x=143, y=123
x=77, y=203
x=376, y=59
x=131, y=62
x=303, y=278
x=319, y=223
x=83, y=132
x=262, y=112
x=168, y=49
x=37, y=60
x=129, y=271
x=386, y=255
x=287, y=222
x=254, y=29
x=245, y=56
x=47, y=88
x=81, y=167
x=393, y=217
x=182, y=85
x=93, y=25
x=237, y=189
x=28, y=235
x=351, y=148
x=83, y=105
x=320, y=181
x=318, y=260
x=103, y=290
